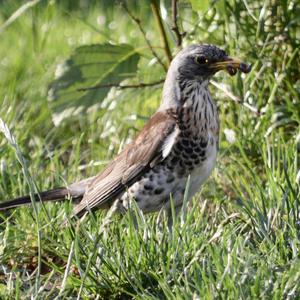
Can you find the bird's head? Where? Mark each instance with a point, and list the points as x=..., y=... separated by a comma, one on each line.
x=196, y=64
x=201, y=62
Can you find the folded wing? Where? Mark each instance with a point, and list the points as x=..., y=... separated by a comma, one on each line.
x=151, y=146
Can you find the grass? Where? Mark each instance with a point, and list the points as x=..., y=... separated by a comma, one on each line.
x=240, y=238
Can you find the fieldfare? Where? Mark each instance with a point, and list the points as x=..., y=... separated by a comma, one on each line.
x=180, y=140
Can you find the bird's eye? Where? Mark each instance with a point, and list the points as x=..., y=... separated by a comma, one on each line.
x=201, y=60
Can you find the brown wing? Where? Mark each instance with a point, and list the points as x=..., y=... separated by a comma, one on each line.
x=136, y=159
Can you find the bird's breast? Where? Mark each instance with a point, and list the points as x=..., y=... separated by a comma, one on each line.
x=195, y=150
x=202, y=171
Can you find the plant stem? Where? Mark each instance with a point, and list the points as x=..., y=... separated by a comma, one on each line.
x=121, y=86
x=175, y=25
x=155, y=9
x=139, y=24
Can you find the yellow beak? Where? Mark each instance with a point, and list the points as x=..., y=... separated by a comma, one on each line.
x=232, y=65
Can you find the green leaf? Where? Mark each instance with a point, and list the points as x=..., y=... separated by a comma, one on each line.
x=89, y=66
x=200, y=5
x=221, y=7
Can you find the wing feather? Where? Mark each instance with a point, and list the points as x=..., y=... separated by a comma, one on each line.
x=135, y=160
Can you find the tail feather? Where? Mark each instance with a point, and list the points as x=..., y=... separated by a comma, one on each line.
x=75, y=191
x=52, y=195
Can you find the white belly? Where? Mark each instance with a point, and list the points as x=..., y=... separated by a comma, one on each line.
x=157, y=195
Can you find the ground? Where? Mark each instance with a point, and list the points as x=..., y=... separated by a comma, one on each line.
x=240, y=235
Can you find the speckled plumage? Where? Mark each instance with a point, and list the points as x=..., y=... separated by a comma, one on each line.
x=193, y=153
x=191, y=138
x=180, y=140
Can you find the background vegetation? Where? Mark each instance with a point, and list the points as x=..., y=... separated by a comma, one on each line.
x=240, y=237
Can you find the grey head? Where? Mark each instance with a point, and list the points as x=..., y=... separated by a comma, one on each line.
x=196, y=64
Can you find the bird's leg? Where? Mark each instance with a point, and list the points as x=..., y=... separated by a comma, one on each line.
x=172, y=216
x=170, y=212
x=123, y=206
x=116, y=207
x=135, y=213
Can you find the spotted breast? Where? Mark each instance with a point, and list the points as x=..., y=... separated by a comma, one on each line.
x=194, y=142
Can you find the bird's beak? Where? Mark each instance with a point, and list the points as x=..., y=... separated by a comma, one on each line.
x=231, y=65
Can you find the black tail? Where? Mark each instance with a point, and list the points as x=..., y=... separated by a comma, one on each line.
x=52, y=195
x=75, y=191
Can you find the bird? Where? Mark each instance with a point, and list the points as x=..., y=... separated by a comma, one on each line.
x=180, y=141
